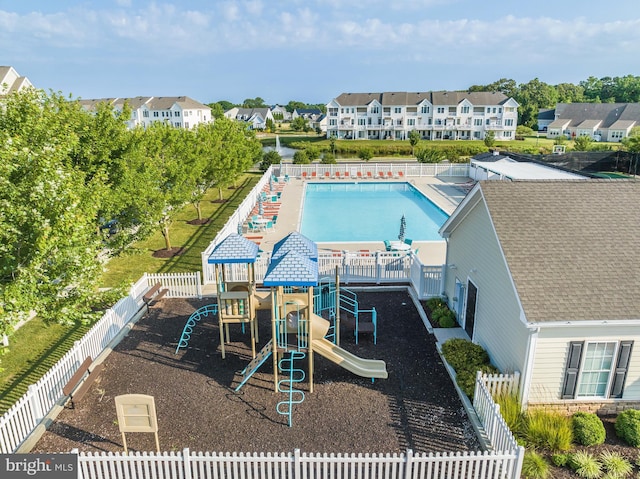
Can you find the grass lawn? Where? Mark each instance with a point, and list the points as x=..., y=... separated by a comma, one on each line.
x=36, y=347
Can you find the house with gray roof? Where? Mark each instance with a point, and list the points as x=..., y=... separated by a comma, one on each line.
x=600, y=121
x=177, y=111
x=11, y=81
x=544, y=275
x=436, y=115
x=255, y=118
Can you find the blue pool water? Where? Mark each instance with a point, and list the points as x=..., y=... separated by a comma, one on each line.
x=338, y=212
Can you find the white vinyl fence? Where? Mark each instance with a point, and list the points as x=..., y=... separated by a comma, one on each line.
x=297, y=465
x=375, y=267
x=373, y=170
x=23, y=417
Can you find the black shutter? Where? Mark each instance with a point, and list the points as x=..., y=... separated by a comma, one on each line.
x=572, y=369
x=620, y=373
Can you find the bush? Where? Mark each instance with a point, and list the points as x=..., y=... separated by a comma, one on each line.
x=548, y=430
x=328, y=158
x=561, y=459
x=463, y=354
x=615, y=464
x=434, y=303
x=534, y=466
x=585, y=465
x=466, y=377
x=588, y=429
x=628, y=427
x=443, y=317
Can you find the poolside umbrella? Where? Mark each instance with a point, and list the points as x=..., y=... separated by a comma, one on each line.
x=403, y=228
x=260, y=207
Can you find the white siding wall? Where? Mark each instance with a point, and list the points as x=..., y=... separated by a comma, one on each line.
x=498, y=328
x=551, y=356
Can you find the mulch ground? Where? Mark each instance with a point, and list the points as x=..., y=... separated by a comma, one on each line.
x=415, y=408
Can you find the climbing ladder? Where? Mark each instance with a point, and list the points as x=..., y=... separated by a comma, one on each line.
x=191, y=323
x=296, y=375
x=349, y=304
x=254, y=365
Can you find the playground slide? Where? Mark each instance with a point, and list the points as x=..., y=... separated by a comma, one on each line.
x=263, y=299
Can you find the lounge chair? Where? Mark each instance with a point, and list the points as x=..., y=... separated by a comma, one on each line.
x=369, y=174
x=327, y=174
x=346, y=175
x=359, y=175
x=389, y=174
x=381, y=174
x=387, y=245
x=408, y=241
x=304, y=175
x=274, y=219
x=400, y=174
x=337, y=174
x=286, y=178
x=313, y=174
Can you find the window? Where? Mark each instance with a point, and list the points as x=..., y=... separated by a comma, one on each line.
x=488, y=110
x=424, y=109
x=362, y=121
x=176, y=113
x=397, y=109
x=145, y=113
x=494, y=109
x=177, y=124
x=487, y=122
x=156, y=114
x=477, y=121
x=411, y=122
x=186, y=125
x=499, y=110
x=464, y=109
x=333, y=122
x=508, y=122
x=596, y=369
x=440, y=109
x=507, y=134
x=375, y=110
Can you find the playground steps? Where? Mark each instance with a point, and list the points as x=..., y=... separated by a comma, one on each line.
x=191, y=323
x=255, y=364
x=295, y=396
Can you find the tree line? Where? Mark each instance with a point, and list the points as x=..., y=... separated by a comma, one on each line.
x=74, y=185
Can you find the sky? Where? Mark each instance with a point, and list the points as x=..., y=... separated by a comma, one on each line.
x=311, y=50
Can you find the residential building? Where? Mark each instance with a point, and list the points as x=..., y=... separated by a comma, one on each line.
x=435, y=115
x=178, y=111
x=11, y=81
x=543, y=274
x=600, y=121
x=281, y=111
x=310, y=114
x=256, y=118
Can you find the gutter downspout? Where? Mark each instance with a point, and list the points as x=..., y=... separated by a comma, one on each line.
x=525, y=380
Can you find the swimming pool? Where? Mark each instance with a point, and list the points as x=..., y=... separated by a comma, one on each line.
x=342, y=212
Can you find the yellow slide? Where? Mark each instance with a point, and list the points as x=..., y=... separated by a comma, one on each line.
x=367, y=368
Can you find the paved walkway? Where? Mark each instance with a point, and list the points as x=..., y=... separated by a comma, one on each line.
x=442, y=191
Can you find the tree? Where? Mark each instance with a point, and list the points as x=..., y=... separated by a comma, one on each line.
x=582, y=143
x=294, y=105
x=332, y=144
x=271, y=157
x=48, y=209
x=226, y=105
x=270, y=125
x=298, y=124
x=430, y=155
x=506, y=86
x=328, y=159
x=256, y=102
x=632, y=145
x=300, y=158
x=414, y=139
x=490, y=139
x=365, y=154
x=569, y=93
x=532, y=96
x=522, y=130
x=216, y=110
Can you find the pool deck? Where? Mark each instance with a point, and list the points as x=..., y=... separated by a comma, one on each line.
x=441, y=190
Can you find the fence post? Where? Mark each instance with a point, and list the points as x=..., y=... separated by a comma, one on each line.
x=186, y=461
x=199, y=284
x=408, y=465
x=34, y=400
x=296, y=464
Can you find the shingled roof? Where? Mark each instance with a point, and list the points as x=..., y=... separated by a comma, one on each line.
x=572, y=247
x=609, y=113
x=415, y=98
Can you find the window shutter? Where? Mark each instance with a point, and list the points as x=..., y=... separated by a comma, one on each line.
x=572, y=369
x=620, y=374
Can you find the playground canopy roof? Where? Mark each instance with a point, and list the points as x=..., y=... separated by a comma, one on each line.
x=291, y=269
x=234, y=249
x=506, y=167
x=295, y=242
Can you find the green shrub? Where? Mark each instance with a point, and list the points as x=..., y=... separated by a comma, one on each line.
x=534, y=466
x=628, y=427
x=511, y=411
x=443, y=317
x=561, y=459
x=615, y=464
x=463, y=354
x=434, y=303
x=548, y=430
x=585, y=465
x=588, y=429
x=466, y=377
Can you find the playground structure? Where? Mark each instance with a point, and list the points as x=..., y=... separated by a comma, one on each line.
x=298, y=300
